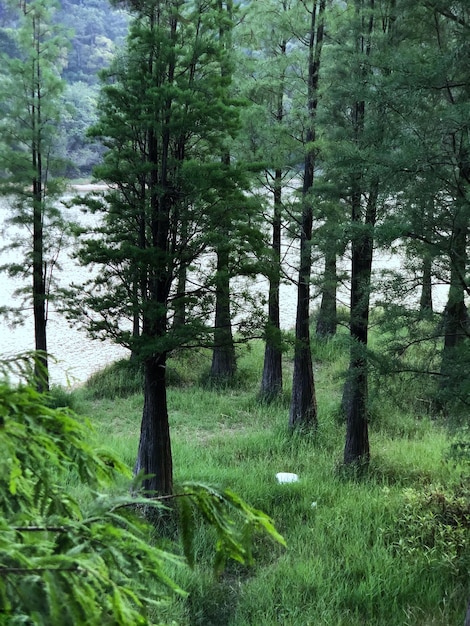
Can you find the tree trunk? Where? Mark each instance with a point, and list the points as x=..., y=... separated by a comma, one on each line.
x=154, y=457
x=425, y=302
x=455, y=313
x=39, y=277
x=271, y=382
x=327, y=317
x=39, y=298
x=179, y=303
x=303, y=408
x=224, y=363
x=363, y=219
x=355, y=393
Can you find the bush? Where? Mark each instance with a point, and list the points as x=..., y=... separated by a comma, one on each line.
x=435, y=524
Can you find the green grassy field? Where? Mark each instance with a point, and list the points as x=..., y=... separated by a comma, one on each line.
x=388, y=549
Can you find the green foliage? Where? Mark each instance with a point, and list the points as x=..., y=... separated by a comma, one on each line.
x=219, y=510
x=434, y=526
x=89, y=559
x=63, y=561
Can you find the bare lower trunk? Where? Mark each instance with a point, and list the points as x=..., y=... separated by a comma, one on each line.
x=224, y=363
x=327, y=317
x=271, y=382
x=355, y=394
x=356, y=449
x=455, y=314
x=425, y=302
x=39, y=292
x=154, y=457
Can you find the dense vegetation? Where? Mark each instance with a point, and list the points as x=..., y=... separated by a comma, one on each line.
x=228, y=134
x=75, y=546
x=389, y=548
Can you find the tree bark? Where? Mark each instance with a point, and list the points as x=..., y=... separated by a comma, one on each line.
x=327, y=315
x=271, y=382
x=355, y=393
x=455, y=313
x=154, y=456
x=425, y=301
x=224, y=363
x=363, y=219
x=39, y=279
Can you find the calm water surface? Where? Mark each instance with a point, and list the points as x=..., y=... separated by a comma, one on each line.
x=77, y=356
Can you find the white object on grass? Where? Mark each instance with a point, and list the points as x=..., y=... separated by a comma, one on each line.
x=286, y=477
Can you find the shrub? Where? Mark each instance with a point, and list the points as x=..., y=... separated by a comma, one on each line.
x=435, y=524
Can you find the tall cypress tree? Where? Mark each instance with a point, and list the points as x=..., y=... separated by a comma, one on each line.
x=303, y=407
x=359, y=141
x=164, y=117
x=31, y=113
x=267, y=77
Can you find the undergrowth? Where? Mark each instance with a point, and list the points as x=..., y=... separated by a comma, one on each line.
x=389, y=548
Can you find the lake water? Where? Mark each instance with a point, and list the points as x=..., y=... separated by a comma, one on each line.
x=76, y=355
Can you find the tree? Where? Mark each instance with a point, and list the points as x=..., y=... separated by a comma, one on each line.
x=432, y=159
x=269, y=132
x=358, y=154
x=164, y=115
x=224, y=364
x=30, y=117
x=303, y=409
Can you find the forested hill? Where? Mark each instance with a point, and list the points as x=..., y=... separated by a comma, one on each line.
x=95, y=30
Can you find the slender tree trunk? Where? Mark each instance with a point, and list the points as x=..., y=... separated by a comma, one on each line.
x=327, y=316
x=224, y=363
x=39, y=277
x=355, y=393
x=455, y=313
x=39, y=292
x=179, y=304
x=271, y=382
x=425, y=301
x=303, y=408
x=179, y=319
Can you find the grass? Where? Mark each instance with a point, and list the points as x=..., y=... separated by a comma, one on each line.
x=390, y=549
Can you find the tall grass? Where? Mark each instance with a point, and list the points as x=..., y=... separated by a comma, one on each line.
x=389, y=549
